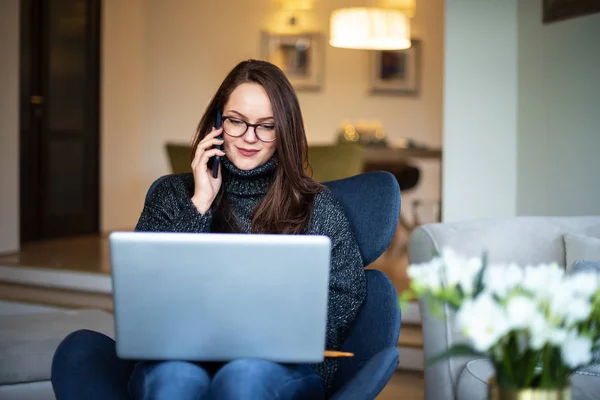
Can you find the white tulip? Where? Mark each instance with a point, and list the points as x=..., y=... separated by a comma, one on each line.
x=558, y=336
x=578, y=311
x=428, y=275
x=584, y=283
x=567, y=306
x=501, y=278
x=483, y=321
x=543, y=280
x=521, y=310
x=576, y=350
x=460, y=271
x=540, y=332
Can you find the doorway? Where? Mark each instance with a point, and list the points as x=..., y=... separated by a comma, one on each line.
x=59, y=118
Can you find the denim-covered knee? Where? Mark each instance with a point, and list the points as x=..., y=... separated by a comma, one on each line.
x=244, y=379
x=78, y=346
x=79, y=352
x=168, y=379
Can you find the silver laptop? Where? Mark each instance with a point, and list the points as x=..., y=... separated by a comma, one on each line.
x=218, y=297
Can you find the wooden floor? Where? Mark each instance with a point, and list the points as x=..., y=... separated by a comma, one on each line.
x=91, y=254
x=82, y=253
x=404, y=386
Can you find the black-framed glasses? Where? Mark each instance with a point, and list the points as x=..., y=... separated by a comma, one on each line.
x=236, y=127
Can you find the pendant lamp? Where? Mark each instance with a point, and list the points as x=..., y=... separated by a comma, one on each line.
x=370, y=28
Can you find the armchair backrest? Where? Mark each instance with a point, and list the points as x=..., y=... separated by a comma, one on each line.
x=372, y=204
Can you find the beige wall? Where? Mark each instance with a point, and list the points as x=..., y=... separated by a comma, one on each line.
x=9, y=125
x=123, y=71
x=164, y=60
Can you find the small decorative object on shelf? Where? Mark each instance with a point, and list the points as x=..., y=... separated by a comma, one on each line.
x=369, y=133
x=536, y=324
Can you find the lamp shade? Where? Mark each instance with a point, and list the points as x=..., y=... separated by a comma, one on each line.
x=370, y=29
x=296, y=5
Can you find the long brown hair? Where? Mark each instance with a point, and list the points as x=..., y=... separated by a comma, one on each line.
x=288, y=204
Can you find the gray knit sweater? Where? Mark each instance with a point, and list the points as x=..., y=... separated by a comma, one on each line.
x=169, y=209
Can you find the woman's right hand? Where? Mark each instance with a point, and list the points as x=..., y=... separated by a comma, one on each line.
x=205, y=186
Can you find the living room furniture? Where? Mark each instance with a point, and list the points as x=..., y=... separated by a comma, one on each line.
x=523, y=240
x=331, y=162
x=372, y=204
x=179, y=157
x=28, y=340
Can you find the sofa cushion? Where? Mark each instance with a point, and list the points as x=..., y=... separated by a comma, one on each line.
x=586, y=266
x=580, y=247
x=28, y=341
x=472, y=382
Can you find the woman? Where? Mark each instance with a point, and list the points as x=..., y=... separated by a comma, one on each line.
x=261, y=188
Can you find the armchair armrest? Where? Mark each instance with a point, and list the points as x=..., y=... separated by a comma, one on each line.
x=439, y=332
x=372, y=377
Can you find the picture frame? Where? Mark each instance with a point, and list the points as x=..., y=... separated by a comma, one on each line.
x=396, y=72
x=560, y=10
x=299, y=55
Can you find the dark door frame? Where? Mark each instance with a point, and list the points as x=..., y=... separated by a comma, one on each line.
x=34, y=58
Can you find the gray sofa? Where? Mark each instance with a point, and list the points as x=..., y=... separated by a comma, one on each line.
x=522, y=240
x=28, y=341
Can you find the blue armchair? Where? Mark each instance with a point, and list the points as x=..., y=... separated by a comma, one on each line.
x=372, y=203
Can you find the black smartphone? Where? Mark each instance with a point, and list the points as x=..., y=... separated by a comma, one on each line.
x=217, y=159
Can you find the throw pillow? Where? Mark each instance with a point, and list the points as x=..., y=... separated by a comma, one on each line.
x=580, y=247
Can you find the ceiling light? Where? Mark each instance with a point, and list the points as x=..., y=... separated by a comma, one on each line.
x=370, y=29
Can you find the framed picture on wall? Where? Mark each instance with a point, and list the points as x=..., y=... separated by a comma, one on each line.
x=300, y=56
x=558, y=10
x=396, y=71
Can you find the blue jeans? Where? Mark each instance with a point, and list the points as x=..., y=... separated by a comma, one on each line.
x=85, y=366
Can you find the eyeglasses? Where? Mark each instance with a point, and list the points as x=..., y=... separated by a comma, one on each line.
x=236, y=127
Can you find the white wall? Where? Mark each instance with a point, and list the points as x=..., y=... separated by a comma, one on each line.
x=559, y=114
x=522, y=112
x=186, y=48
x=480, y=112
x=9, y=125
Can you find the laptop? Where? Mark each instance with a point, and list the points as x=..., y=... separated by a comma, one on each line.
x=219, y=297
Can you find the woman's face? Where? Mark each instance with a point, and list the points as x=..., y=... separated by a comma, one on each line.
x=249, y=103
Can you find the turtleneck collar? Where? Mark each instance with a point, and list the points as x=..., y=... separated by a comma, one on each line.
x=248, y=183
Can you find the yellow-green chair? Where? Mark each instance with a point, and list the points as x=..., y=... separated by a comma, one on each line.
x=179, y=157
x=328, y=163
x=335, y=162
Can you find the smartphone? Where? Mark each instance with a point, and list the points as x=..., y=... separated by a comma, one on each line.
x=217, y=159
